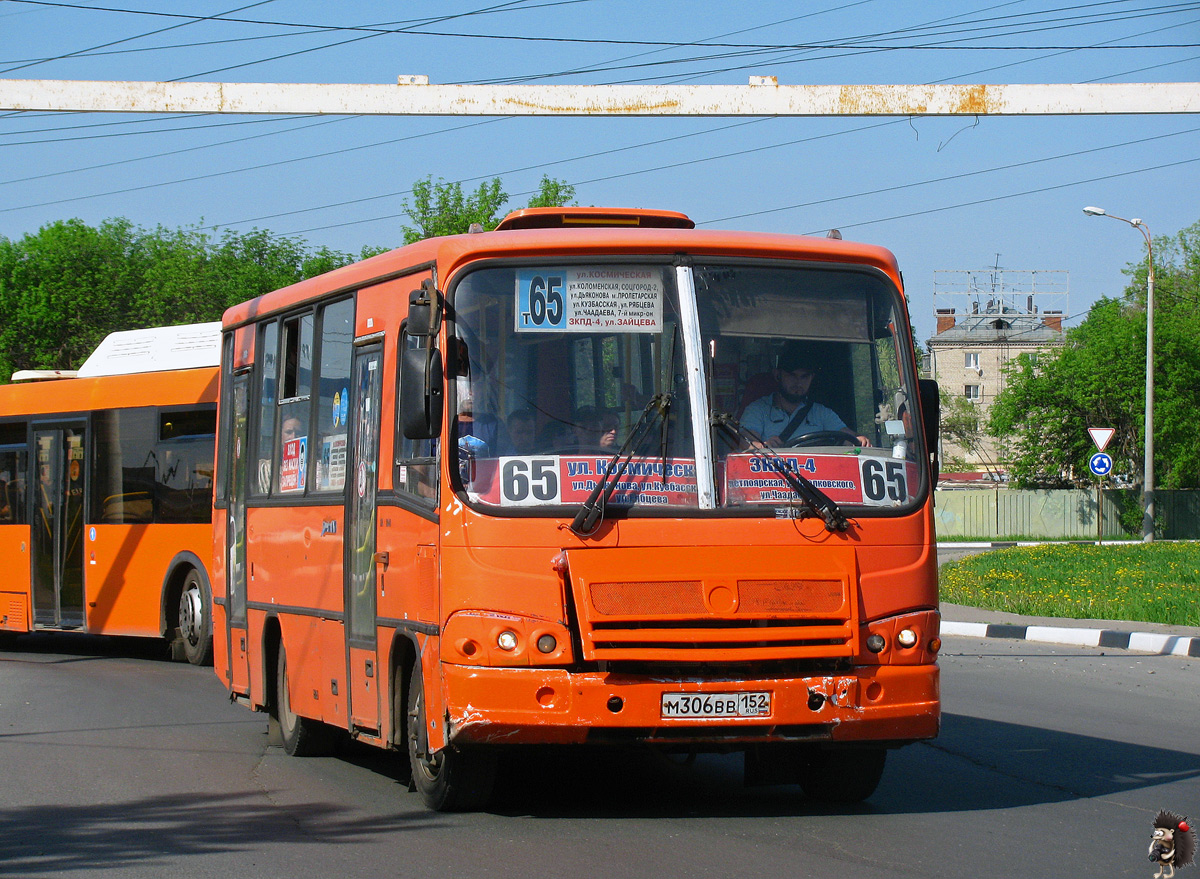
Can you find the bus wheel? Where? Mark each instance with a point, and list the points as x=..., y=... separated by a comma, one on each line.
x=195, y=620
x=841, y=776
x=451, y=780
x=302, y=736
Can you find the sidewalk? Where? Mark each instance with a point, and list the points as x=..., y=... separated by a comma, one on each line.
x=974, y=622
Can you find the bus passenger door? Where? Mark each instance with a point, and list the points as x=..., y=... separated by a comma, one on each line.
x=235, y=540
x=361, y=566
x=57, y=533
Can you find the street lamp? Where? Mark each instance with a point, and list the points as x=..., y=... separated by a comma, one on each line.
x=1148, y=472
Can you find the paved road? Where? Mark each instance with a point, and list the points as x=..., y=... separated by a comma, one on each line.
x=1052, y=762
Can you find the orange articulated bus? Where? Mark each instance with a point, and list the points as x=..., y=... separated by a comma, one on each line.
x=596, y=478
x=106, y=491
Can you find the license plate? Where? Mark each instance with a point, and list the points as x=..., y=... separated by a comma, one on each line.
x=690, y=705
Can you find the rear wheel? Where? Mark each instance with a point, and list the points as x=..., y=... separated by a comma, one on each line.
x=195, y=620
x=302, y=736
x=841, y=776
x=452, y=780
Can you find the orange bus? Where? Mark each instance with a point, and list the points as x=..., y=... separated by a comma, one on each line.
x=595, y=477
x=106, y=492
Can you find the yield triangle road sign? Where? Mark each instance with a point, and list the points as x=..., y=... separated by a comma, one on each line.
x=1100, y=436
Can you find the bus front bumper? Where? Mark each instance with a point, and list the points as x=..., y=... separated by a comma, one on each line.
x=892, y=704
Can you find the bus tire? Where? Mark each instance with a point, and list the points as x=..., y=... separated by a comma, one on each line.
x=452, y=780
x=195, y=619
x=302, y=736
x=848, y=775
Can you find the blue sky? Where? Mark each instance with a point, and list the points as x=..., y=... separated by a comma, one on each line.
x=943, y=194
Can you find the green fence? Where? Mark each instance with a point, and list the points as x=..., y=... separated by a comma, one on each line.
x=1000, y=513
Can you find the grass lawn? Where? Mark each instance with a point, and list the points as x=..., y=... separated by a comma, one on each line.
x=1156, y=583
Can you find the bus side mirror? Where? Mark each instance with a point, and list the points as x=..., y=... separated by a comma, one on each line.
x=421, y=393
x=931, y=417
x=424, y=311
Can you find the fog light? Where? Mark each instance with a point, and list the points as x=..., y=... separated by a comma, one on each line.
x=875, y=643
x=906, y=637
x=507, y=640
x=547, y=644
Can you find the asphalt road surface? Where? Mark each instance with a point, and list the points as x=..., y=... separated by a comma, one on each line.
x=1052, y=762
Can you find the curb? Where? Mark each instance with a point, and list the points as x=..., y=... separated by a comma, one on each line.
x=1145, y=642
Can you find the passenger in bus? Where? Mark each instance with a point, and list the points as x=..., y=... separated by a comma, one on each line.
x=595, y=430
x=290, y=429
x=6, y=514
x=787, y=413
x=522, y=431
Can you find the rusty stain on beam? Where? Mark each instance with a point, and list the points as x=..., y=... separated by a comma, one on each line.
x=413, y=96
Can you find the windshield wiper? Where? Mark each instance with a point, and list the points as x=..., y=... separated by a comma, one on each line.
x=591, y=513
x=816, y=500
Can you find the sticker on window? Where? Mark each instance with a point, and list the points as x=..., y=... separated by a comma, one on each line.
x=610, y=299
x=871, y=480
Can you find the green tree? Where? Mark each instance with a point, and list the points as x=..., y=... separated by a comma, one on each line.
x=64, y=288
x=1097, y=379
x=963, y=426
x=553, y=193
x=441, y=208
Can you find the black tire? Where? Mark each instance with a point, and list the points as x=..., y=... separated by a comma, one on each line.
x=302, y=736
x=452, y=780
x=400, y=725
x=195, y=620
x=847, y=775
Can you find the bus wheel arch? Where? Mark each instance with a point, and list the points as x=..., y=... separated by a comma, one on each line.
x=300, y=736
x=185, y=610
x=403, y=654
x=453, y=779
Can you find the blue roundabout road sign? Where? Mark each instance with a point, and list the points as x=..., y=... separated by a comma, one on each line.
x=1100, y=464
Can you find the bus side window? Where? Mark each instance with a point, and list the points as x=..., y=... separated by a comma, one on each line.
x=333, y=395
x=295, y=406
x=13, y=461
x=267, y=367
x=416, y=460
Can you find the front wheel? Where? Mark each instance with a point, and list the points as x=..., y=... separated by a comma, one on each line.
x=302, y=736
x=195, y=620
x=451, y=780
x=849, y=775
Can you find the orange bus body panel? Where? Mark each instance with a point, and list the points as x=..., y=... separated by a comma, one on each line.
x=124, y=570
x=14, y=596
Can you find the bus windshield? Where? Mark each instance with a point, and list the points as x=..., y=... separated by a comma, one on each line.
x=706, y=386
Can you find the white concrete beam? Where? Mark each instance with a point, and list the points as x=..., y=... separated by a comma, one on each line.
x=413, y=96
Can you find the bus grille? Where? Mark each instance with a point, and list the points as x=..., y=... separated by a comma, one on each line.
x=725, y=621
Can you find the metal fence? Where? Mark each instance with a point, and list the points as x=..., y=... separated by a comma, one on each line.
x=998, y=514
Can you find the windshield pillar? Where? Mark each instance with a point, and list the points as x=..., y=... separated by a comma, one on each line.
x=697, y=387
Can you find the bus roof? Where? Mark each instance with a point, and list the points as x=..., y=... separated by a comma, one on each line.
x=155, y=349
x=547, y=238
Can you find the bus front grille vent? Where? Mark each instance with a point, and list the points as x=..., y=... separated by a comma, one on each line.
x=717, y=621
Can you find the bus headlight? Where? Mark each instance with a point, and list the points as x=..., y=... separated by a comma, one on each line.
x=906, y=638
x=489, y=638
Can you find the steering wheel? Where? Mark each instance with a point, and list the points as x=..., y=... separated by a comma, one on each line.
x=816, y=437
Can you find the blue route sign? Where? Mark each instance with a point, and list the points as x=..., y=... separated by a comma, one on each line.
x=1100, y=464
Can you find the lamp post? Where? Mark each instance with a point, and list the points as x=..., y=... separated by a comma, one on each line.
x=1148, y=472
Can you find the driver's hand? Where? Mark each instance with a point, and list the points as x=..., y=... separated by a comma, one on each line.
x=863, y=440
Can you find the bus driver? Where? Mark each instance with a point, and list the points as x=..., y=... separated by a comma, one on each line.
x=786, y=414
